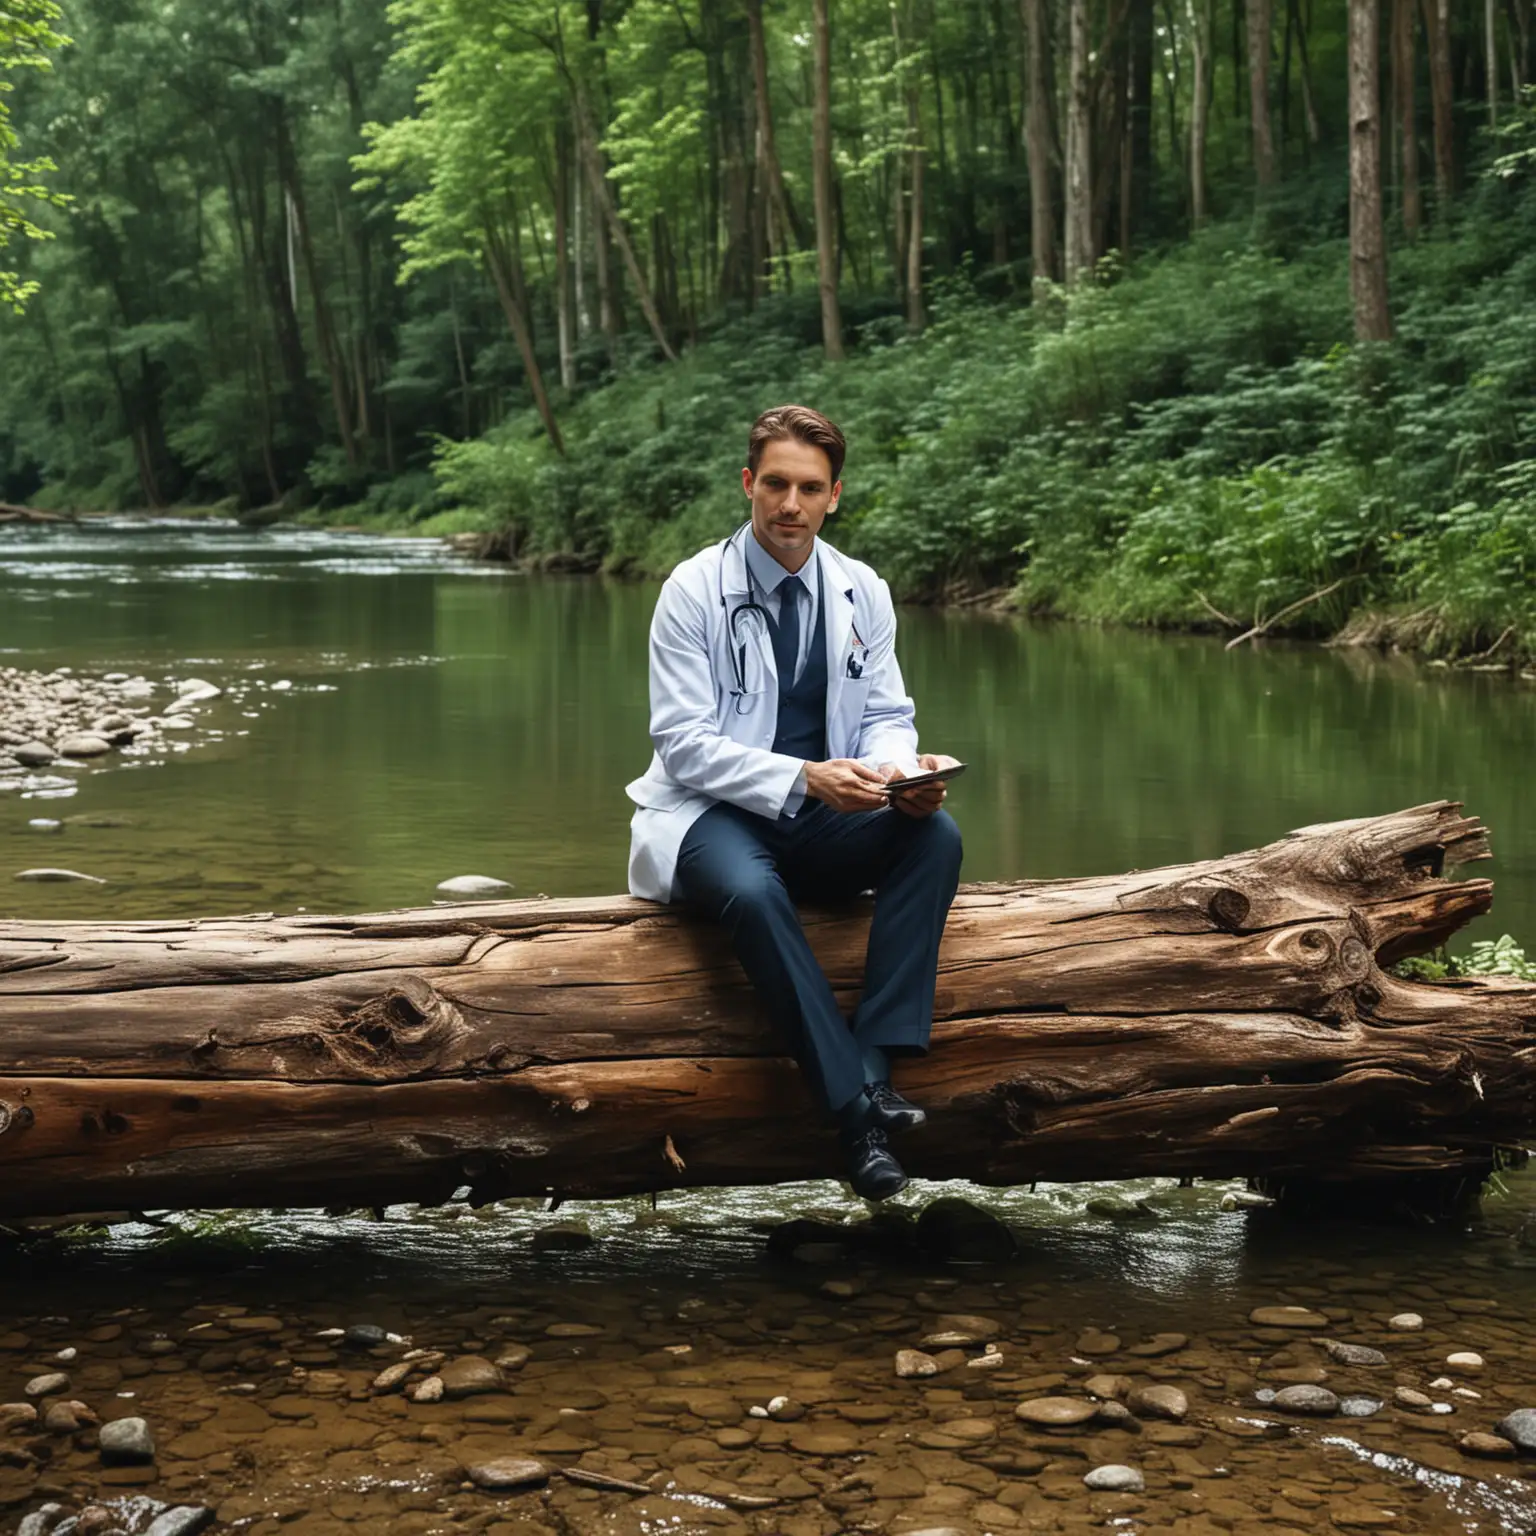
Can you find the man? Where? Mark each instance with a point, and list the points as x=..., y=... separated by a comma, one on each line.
x=779, y=719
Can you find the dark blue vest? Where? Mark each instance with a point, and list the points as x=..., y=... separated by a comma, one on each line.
x=802, y=725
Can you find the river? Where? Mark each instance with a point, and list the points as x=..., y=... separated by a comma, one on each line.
x=393, y=717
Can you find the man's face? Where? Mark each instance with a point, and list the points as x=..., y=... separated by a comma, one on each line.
x=792, y=495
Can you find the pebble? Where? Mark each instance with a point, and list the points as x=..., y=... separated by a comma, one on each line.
x=1093, y=1342
x=1406, y=1322
x=1306, y=1399
x=1415, y=1402
x=473, y=886
x=563, y=1237
x=33, y=754
x=1108, y=1386
x=913, y=1363
x=513, y=1358
x=428, y=1391
x=1353, y=1354
x=1056, y=1412
x=125, y=1442
x=64, y=1416
x=1115, y=1479
x=16, y=1416
x=180, y=1520
x=45, y=824
x=1479, y=1444
x=1519, y=1428
x=1287, y=1317
x=363, y=1335
x=41, y=1521
x=391, y=1376
x=47, y=1385
x=1465, y=1361
x=1357, y=1407
x=46, y=876
x=1158, y=1402
x=1159, y=1344
x=507, y=1472
x=84, y=744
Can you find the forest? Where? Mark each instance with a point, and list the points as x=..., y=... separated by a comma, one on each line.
x=1200, y=313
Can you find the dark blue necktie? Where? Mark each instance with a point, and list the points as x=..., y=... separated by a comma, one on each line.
x=786, y=633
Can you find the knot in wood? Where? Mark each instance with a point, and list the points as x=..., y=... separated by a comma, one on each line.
x=14, y=1117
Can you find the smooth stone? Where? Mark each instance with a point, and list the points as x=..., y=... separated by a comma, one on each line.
x=785, y=1410
x=563, y=1237
x=1465, y=1360
x=33, y=754
x=126, y=1441
x=913, y=1363
x=193, y=688
x=1353, y=1354
x=572, y=1331
x=1479, y=1444
x=1159, y=1344
x=473, y=886
x=817, y=1441
x=1307, y=1399
x=1519, y=1428
x=16, y=1416
x=513, y=1358
x=1117, y=1209
x=46, y=1386
x=64, y=1416
x=955, y=1228
x=1355, y=1514
x=42, y=1521
x=1056, y=1412
x=1415, y=1402
x=428, y=1391
x=977, y=1330
x=181, y=1520
x=177, y=723
x=1115, y=1414
x=1093, y=1342
x=1115, y=1479
x=44, y=824
x=507, y=1472
x=468, y=1375
x=1159, y=1402
x=84, y=744
x=1406, y=1322
x=1359, y=1407
x=1286, y=1317
x=391, y=1377
x=364, y=1335
x=1106, y=1386
x=51, y=876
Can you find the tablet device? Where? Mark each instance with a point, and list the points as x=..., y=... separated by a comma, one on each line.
x=917, y=780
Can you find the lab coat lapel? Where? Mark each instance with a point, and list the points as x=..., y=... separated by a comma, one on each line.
x=837, y=628
x=761, y=670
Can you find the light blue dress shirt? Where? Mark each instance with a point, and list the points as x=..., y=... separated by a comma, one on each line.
x=770, y=577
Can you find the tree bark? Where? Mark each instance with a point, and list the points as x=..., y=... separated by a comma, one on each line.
x=1403, y=62
x=565, y=305
x=1367, y=240
x=1228, y=1018
x=1308, y=100
x=1491, y=39
x=1038, y=137
x=503, y=261
x=1437, y=28
x=821, y=167
x=1079, y=177
x=1260, y=25
x=1202, y=18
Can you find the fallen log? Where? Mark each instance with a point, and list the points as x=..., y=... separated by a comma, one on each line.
x=1230, y=1018
x=11, y=513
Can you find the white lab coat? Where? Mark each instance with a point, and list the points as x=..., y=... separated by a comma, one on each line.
x=715, y=742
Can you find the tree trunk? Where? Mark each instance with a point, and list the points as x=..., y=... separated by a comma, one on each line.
x=1437, y=28
x=785, y=234
x=1260, y=25
x=1037, y=140
x=911, y=253
x=1079, y=177
x=1202, y=18
x=1229, y=1018
x=1491, y=36
x=1367, y=241
x=565, y=305
x=1403, y=63
x=603, y=196
x=821, y=167
x=1308, y=100
x=502, y=260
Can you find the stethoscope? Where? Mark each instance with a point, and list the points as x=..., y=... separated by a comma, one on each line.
x=751, y=608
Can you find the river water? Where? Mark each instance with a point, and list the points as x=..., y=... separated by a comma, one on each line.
x=394, y=717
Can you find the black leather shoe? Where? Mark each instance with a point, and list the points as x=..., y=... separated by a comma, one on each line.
x=873, y=1172
x=891, y=1112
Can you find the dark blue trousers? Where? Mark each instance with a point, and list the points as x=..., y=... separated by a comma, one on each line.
x=747, y=872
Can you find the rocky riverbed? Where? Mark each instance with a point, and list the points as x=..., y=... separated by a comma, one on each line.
x=834, y=1384
x=63, y=720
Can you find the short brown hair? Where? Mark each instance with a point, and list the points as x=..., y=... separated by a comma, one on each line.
x=802, y=424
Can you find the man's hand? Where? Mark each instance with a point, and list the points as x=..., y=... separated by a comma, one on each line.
x=926, y=800
x=845, y=785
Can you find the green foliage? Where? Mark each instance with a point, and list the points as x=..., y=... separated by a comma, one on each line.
x=1489, y=957
x=26, y=38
